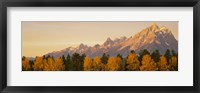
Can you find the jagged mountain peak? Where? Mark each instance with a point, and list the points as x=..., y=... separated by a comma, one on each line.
x=163, y=28
x=108, y=42
x=153, y=27
x=121, y=39
x=97, y=45
x=82, y=46
x=152, y=31
x=108, y=39
x=151, y=38
x=154, y=37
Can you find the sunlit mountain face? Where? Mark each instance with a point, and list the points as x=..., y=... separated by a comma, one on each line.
x=151, y=38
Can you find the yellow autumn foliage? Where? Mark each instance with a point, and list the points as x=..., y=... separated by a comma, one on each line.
x=148, y=64
x=38, y=64
x=132, y=62
x=114, y=64
x=98, y=65
x=88, y=64
x=59, y=64
x=49, y=64
x=25, y=64
x=162, y=64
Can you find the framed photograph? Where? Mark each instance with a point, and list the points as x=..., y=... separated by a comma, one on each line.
x=99, y=46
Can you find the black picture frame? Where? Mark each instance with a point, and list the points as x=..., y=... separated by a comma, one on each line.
x=98, y=3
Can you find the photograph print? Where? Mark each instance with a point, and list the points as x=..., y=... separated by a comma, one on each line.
x=99, y=45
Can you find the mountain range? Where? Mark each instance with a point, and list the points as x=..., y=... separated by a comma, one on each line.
x=150, y=38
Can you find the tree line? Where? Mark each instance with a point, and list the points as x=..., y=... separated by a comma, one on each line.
x=144, y=61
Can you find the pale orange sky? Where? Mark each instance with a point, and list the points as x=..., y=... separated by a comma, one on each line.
x=39, y=38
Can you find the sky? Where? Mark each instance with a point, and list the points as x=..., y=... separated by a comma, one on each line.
x=42, y=37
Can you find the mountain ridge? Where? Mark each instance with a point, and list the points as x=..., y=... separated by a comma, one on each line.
x=151, y=38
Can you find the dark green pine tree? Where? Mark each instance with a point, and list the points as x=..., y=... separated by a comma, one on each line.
x=31, y=62
x=81, y=61
x=76, y=59
x=83, y=57
x=63, y=58
x=68, y=64
x=120, y=56
x=104, y=58
x=167, y=55
x=132, y=51
x=47, y=57
x=68, y=58
x=156, y=55
x=174, y=53
x=43, y=57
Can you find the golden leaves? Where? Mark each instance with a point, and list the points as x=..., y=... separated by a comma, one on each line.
x=132, y=62
x=114, y=64
x=162, y=64
x=88, y=64
x=25, y=64
x=148, y=64
x=48, y=64
x=38, y=64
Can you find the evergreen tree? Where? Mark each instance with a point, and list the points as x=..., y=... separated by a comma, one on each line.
x=119, y=55
x=77, y=62
x=48, y=57
x=104, y=58
x=174, y=53
x=167, y=55
x=31, y=62
x=132, y=51
x=43, y=56
x=63, y=58
x=68, y=59
x=68, y=64
x=174, y=63
x=156, y=56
